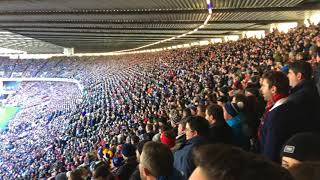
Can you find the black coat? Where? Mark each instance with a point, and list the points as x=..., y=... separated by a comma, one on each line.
x=124, y=172
x=180, y=140
x=307, y=100
x=220, y=133
x=282, y=122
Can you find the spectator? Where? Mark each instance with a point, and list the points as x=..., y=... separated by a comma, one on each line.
x=181, y=137
x=300, y=148
x=220, y=131
x=130, y=162
x=306, y=171
x=136, y=174
x=149, y=132
x=102, y=173
x=304, y=93
x=60, y=123
x=75, y=175
x=196, y=130
x=220, y=162
x=201, y=111
x=168, y=138
x=156, y=162
x=233, y=113
x=186, y=113
x=281, y=122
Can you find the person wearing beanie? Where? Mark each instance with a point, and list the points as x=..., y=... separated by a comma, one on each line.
x=235, y=119
x=300, y=148
x=130, y=162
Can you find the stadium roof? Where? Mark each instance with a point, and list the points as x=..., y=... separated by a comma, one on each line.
x=88, y=26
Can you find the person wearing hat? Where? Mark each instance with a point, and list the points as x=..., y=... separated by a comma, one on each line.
x=300, y=148
x=168, y=138
x=130, y=162
x=235, y=118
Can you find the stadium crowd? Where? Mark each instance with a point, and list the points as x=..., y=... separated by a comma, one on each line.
x=234, y=110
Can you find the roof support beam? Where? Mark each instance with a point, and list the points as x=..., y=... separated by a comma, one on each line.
x=311, y=6
x=110, y=22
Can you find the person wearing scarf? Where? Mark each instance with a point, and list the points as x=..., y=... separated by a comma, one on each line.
x=280, y=121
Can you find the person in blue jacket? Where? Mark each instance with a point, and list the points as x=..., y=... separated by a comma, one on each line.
x=236, y=120
x=197, y=129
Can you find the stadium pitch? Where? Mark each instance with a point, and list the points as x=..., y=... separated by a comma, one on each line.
x=6, y=114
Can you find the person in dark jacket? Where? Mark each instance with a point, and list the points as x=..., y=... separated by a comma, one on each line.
x=156, y=162
x=300, y=148
x=149, y=132
x=304, y=93
x=281, y=120
x=136, y=174
x=219, y=131
x=181, y=138
x=130, y=162
x=197, y=129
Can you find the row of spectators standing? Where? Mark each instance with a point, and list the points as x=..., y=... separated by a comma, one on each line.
x=230, y=113
x=183, y=100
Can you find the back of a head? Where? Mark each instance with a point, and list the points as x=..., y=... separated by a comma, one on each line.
x=202, y=108
x=306, y=171
x=75, y=175
x=199, y=124
x=102, y=172
x=61, y=176
x=223, y=162
x=216, y=111
x=157, y=158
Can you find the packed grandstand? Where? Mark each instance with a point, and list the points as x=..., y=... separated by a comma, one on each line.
x=236, y=93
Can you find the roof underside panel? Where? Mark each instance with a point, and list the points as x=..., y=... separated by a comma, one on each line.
x=113, y=25
x=225, y=4
x=63, y=5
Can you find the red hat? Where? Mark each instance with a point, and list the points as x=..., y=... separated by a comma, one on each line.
x=166, y=139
